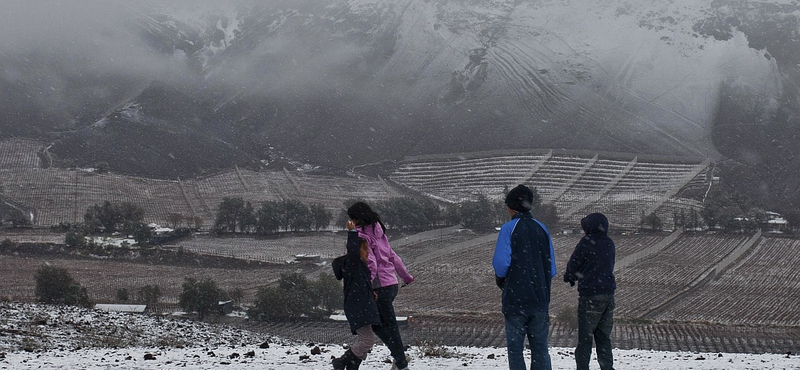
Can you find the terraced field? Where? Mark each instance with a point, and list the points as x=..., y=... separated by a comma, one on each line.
x=621, y=186
x=454, y=300
x=677, y=296
x=461, y=179
x=575, y=184
x=63, y=195
x=747, y=307
x=646, y=284
x=762, y=289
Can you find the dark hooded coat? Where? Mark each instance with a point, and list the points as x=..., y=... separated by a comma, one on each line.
x=360, y=307
x=592, y=262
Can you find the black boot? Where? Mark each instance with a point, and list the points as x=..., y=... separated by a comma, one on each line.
x=344, y=362
x=353, y=365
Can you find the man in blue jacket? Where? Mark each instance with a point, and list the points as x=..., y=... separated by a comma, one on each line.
x=592, y=266
x=524, y=265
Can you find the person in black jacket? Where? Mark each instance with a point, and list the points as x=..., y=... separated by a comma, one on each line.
x=592, y=266
x=360, y=307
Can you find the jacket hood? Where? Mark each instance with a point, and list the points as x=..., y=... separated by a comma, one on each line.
x=374, y=231
x=595, y=224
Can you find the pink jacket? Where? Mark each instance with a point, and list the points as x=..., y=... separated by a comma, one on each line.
x=383, y=262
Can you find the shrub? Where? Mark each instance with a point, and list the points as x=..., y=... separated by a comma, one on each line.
x=271, y=304
x=434, y=349
x=198, y=222
x=229, y=214
x=547, y=214
x=175, y=219
x=75, y=240
x=409, y=213
x=149, y=294
x=18, y=218
x=329, y=291
x=478, y=215
x=55, y=285
x=101, y=167
x=200, y=296
x=268, y=218
x=320, y=217
x=294, y=215
x=122, y=294
x=141, y=234
x=109, y=217
x=7, y=244
x=236, y=295
x=296, y=297
x=653, y=222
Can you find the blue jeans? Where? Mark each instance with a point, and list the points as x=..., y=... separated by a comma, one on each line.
x=388, y=331
x=536, y=327
x=595, y=321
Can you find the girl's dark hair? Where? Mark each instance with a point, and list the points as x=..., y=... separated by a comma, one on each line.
x=363, y=215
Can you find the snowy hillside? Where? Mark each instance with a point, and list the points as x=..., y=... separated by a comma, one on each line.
x=410, y=76
x=45, y=337
x=257, y=82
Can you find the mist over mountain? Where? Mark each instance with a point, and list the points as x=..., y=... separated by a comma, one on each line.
x=180, y=88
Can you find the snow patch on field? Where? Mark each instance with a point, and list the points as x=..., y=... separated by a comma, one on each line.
x=55, y=337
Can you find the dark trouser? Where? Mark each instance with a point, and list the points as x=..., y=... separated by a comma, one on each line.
x=388, y=331
x=595, y=321
x=536, y=327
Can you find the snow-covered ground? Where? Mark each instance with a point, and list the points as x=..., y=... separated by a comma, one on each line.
x=46, y=337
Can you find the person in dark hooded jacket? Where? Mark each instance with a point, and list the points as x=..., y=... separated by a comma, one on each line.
x=360, y=306
x=384, y=266
x=592, y=267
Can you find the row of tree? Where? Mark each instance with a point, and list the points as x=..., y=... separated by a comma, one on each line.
x=176, y=220
x=236, y=215
x=403, y=213
x=484, y=214
x=731, y=211
x=55, y=285
x=126, y=218
x=481, y=214
x=148, y=294
x=294, y=296
x=108, y=218
x=727, y=211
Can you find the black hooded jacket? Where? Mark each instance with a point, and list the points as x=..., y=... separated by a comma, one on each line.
x=360, y=307
x=592, y=262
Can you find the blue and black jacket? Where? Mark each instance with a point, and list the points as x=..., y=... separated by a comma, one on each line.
x=524, y=265
x=592, y=262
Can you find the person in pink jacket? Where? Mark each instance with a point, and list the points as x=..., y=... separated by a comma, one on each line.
x=384, y=266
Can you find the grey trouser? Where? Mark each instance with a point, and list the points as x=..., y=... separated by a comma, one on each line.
x=364, y=340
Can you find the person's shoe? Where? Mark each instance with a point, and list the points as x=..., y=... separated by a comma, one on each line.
x=344, y=362
x=394, y=364
x=354, y=364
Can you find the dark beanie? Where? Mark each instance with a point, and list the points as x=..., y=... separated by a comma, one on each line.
x=520, y=198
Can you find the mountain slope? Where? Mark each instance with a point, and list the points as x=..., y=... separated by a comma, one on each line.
x=355, y=81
